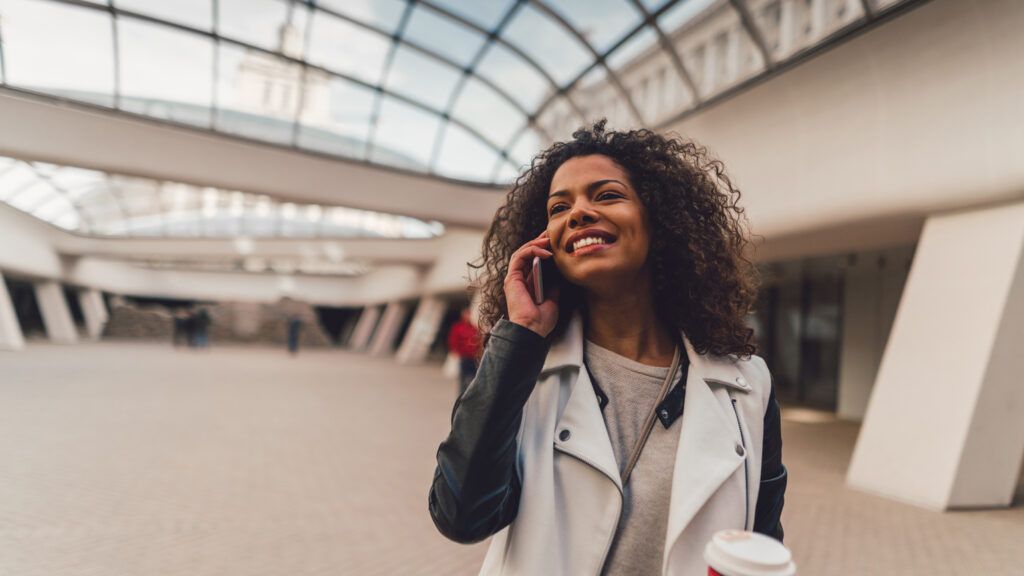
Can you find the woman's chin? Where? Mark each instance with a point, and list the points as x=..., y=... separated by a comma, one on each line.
x=597, y=275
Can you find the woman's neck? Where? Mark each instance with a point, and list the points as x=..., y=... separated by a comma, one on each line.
x=625, y=322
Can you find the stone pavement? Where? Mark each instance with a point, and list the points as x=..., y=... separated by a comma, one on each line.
x=136, y=459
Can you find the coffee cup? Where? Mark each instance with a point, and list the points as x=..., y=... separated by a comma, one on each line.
x=740, y=553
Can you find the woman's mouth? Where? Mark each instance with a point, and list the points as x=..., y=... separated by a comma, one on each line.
x=590, y=243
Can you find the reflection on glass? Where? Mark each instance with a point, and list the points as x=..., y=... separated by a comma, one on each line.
x=164, y=72
x=257, y=94
x=335, y=115
x=405, y=135
x=443, y=35
x=256, y=22
x=488, y=113
x=422, y=78
x=383, y=14
x=347, y=48
x=484, y=14
x=194, y=13
x=463, y=155
x=544, y=40
x=514, y=75
x=602, y=22
x=797, y=329
x=60, y=49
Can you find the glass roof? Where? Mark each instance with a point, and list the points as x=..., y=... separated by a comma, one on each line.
x=95, y=203
x=466, y=89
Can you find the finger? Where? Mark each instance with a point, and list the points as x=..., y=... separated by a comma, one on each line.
x=522, y=261
x=543, y=241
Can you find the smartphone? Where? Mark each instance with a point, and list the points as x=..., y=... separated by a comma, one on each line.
x=540, y=270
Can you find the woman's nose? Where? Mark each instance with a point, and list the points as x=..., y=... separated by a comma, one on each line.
x=582, y=215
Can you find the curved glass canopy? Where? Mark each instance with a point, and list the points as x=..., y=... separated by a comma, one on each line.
x=95, y=203
x=465, y=89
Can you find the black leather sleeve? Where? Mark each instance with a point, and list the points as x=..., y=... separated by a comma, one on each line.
x=771, y=497
x=476, y=489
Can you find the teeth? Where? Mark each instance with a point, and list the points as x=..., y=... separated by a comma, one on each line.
x=583, y=242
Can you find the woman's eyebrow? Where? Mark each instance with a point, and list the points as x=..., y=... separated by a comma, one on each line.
x=590, y=187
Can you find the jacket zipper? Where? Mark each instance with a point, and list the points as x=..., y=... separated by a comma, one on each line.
x=746, y=472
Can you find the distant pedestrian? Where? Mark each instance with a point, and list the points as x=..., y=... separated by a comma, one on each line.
x=294, y=333
x=464, y=341
x=201, y=328
x=180, y=334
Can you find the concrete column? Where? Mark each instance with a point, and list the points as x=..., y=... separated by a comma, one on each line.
x=871, y=294
x=11, y=337
x=787, y=28
x=60, y=327
x=390, y=322
x=94, y=309
x=943, y=427
x=422, y=331
x=364, y=328
x=819, y=18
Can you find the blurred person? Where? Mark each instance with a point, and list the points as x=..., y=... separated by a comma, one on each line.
x=571, y=446
x=464, y=341
x=180, y=334
x=201, y=328
x=294, y=332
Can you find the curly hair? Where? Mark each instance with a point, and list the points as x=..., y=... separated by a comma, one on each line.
x=703, y=282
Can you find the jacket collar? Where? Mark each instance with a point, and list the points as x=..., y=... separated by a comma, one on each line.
x=706, y=454
x=568, y=352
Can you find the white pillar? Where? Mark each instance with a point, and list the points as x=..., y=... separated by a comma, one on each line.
x=787, y=28
x=60, y=327
x=871, y=294
x=422, y=330
x=384, y=338
x=94, y=309
x=11, y=337
x=944, y=427
x=819, y=19
x=364, y=328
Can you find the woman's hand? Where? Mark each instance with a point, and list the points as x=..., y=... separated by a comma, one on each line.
x=518, y=285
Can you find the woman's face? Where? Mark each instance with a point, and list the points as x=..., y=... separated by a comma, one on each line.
x=597, y=223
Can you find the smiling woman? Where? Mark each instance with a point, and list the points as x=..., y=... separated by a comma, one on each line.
x=554, y=447
x=681, y=221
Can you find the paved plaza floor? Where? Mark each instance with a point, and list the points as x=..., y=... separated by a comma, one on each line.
x=137, y=459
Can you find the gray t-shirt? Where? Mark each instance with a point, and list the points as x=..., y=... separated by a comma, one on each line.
x=632, y=389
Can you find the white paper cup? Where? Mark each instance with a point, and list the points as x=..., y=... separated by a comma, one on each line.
x=739, y=553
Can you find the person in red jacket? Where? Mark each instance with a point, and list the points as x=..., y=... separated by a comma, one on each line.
x=464, y=341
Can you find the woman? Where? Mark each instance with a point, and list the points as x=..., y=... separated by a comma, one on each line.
x=572, y=443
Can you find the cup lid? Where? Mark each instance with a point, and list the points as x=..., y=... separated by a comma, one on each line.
x=740, y=553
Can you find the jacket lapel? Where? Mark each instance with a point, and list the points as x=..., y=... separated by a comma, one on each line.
x=706, y=455
x=581, y=418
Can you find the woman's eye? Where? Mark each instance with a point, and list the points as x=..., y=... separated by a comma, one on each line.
x=557, y=208
x=608, y=195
